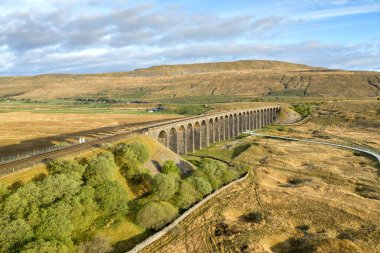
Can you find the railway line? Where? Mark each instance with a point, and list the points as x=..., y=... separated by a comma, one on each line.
x=27, y=162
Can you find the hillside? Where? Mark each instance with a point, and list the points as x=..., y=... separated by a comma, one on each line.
x=242, y=78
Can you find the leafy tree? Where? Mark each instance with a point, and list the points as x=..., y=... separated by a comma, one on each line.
x=95, y=245
x=155, y=215
x=186, y=195
x=100, y=169
x=164, y=186
x=14, y=234
x=202, y=186
x=66, y=166
x=131, y=154
x=212, y=171
x=112, y=198
x=18, y=204
x=57, y=186
x=54, y=227
x=42, y=246
x=170, y=167
x=304, y=109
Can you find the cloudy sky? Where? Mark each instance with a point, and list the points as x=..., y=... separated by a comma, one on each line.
x=89, y=36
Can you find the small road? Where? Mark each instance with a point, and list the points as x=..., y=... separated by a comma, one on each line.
x=359, y=149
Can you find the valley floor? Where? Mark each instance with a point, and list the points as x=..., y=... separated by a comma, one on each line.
x=299, y=198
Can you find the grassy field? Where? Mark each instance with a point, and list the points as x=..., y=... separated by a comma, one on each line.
x=32, y=126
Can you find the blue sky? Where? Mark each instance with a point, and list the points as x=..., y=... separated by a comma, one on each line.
x=91, y=36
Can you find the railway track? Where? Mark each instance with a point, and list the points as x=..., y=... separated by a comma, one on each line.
x=27, y=162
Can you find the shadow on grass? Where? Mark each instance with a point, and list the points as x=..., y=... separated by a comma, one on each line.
x=240, y=149
x=126, y=245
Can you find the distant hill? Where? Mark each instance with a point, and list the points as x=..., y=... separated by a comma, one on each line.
x=241, y=78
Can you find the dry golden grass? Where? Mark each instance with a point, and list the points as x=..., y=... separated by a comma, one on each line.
x=307, y=196
x=25, y=131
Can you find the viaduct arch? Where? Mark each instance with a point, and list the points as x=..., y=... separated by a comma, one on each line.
x=194, y=133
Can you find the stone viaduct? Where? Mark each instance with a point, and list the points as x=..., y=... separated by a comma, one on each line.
x=190, y=134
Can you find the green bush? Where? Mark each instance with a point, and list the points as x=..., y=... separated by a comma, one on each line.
x=304, y=109
x=19, y=204
x=56, y=187
x=202, y=186
x=14, y=234
x=170, y=167
x=213, y=171
x=42, y=246
x=229, y=175
x=164, y=186
x=100, y=169
x=186, y=195
x=54, y=227
x=112, y=198
x=64, y=166
x=131, y=153
x=155, y=215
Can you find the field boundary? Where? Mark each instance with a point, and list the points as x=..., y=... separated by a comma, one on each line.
x=189, y=211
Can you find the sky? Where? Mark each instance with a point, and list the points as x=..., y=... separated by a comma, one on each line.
x=93, y=36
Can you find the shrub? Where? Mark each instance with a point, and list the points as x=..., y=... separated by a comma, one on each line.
x=14, y=234
x=57, y=186
x=100, y=169
x=95, y=245
x=18, y=204
x=170, y=167
x=164, y=186
x=112, y=198
x=186, y=195
x=304, y=109
x=42, y=246
x=229, y=175
x=155, y=215
x=212, y=171
x=201, y=185
x=128, y=154
x=54, y=227
x=63, y=166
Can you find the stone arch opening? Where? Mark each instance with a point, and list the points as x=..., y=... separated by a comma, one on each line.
x=181, y=140
x=203, y=134
x=173, y=138
x=221, y=128
x=189, y=138
x=258, y=119
x=236, y=125
x=163, y=138
x=230, y=127
x=210, y=131
x=216, y=129
x=197, y=136
x=226, y=128
x=251, y=120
